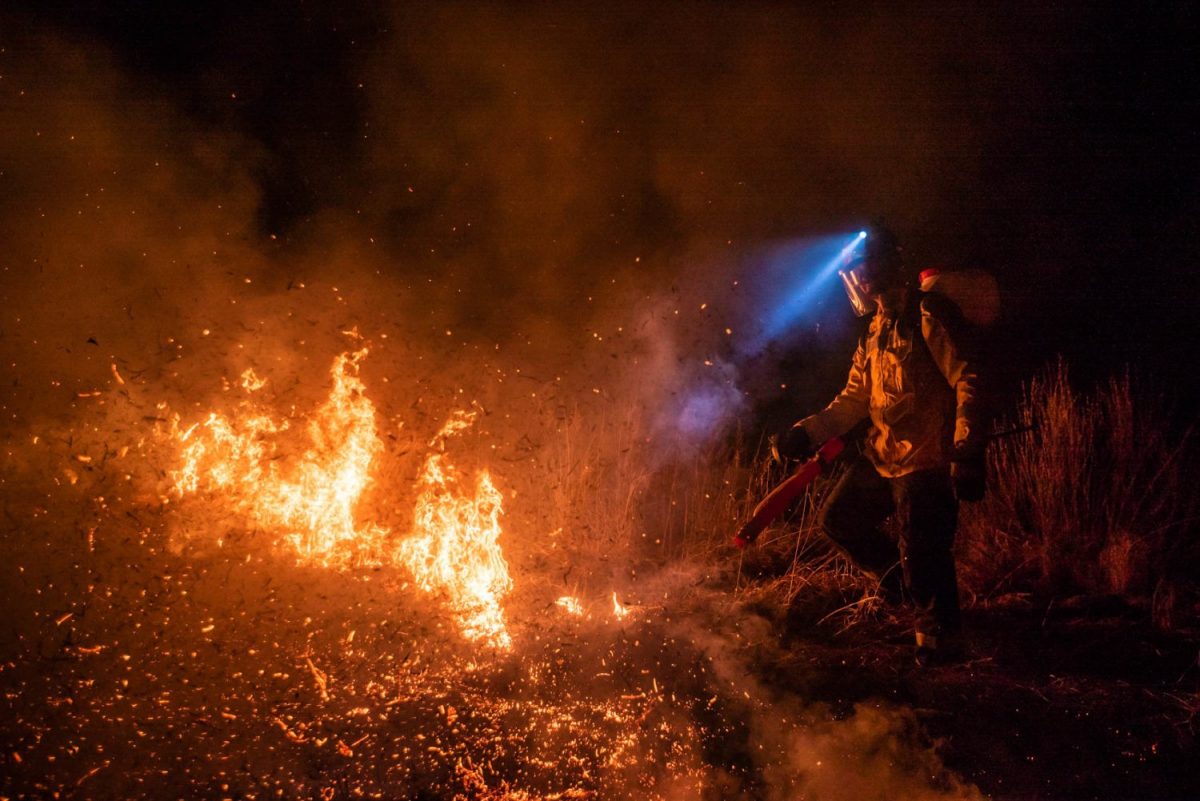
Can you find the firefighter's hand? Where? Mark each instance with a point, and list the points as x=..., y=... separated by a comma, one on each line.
x=795, y=443
x=969, y=474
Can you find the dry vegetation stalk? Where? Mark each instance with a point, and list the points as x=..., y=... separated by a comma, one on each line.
x=1095, y=500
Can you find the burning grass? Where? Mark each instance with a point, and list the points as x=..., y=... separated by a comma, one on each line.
x=310, y=497
x=556, y=618
x=310, y=494
x=227, y=610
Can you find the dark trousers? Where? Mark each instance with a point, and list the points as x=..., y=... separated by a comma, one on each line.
x=927, y=512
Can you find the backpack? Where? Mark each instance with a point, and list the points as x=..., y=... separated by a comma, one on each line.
x=968, y=303
x=974, y=292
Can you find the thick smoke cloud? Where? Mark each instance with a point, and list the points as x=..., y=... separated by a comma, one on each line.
x=542, y=175
x=120, y=221
x=568, y=183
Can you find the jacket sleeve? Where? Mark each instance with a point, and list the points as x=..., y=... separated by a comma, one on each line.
x=850, y=406
x=950, y=344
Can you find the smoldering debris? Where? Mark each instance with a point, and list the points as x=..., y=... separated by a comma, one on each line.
x=179, y=637
x=237, y=671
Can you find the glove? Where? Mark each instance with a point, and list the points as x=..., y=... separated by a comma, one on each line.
x=968, y=474
x=795, y=443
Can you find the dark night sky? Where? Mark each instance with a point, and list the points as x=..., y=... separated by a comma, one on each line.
x=1052, y=145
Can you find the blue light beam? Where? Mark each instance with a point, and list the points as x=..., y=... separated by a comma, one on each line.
x=787, y=283
x=806, y=267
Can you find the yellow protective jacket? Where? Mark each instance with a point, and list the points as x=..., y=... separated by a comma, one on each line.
x=919, y=388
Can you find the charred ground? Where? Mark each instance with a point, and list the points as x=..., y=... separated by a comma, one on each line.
x=157, y=646
x=137, y=672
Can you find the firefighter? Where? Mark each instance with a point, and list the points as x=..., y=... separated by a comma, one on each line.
x=913, y=377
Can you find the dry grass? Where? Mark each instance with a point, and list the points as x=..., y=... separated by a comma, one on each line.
x=1096, y=500
x=625, y=508
x=614, y=489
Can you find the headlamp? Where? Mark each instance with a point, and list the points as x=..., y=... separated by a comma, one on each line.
x=873, y=265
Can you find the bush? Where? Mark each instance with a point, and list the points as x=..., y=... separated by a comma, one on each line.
x=1096, y=499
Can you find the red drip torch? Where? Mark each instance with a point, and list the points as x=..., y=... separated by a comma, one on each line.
x=773, y=505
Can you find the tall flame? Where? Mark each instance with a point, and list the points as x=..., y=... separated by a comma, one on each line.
x=311, y=499
x=455, y=547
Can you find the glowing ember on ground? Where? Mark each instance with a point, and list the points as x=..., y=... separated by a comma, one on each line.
x=574, y=607
x=312, y=498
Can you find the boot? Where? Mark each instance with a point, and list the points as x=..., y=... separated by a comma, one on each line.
x=939, y=649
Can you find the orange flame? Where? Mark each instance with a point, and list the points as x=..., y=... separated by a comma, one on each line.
x=314, y=501
x=619, y=610
x=571, y=604
x=454, y=547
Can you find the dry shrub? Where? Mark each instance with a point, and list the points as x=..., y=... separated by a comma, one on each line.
x=615, y=506
x=1096, y=499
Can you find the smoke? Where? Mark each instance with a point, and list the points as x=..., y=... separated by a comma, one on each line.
x=533, y=178
x=797, y=747
x=711, y=402
x=571, y=163
x=127, y=233
x=567, y=221
x=546, y=181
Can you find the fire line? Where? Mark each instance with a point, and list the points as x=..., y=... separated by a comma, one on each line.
x=311, y=499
